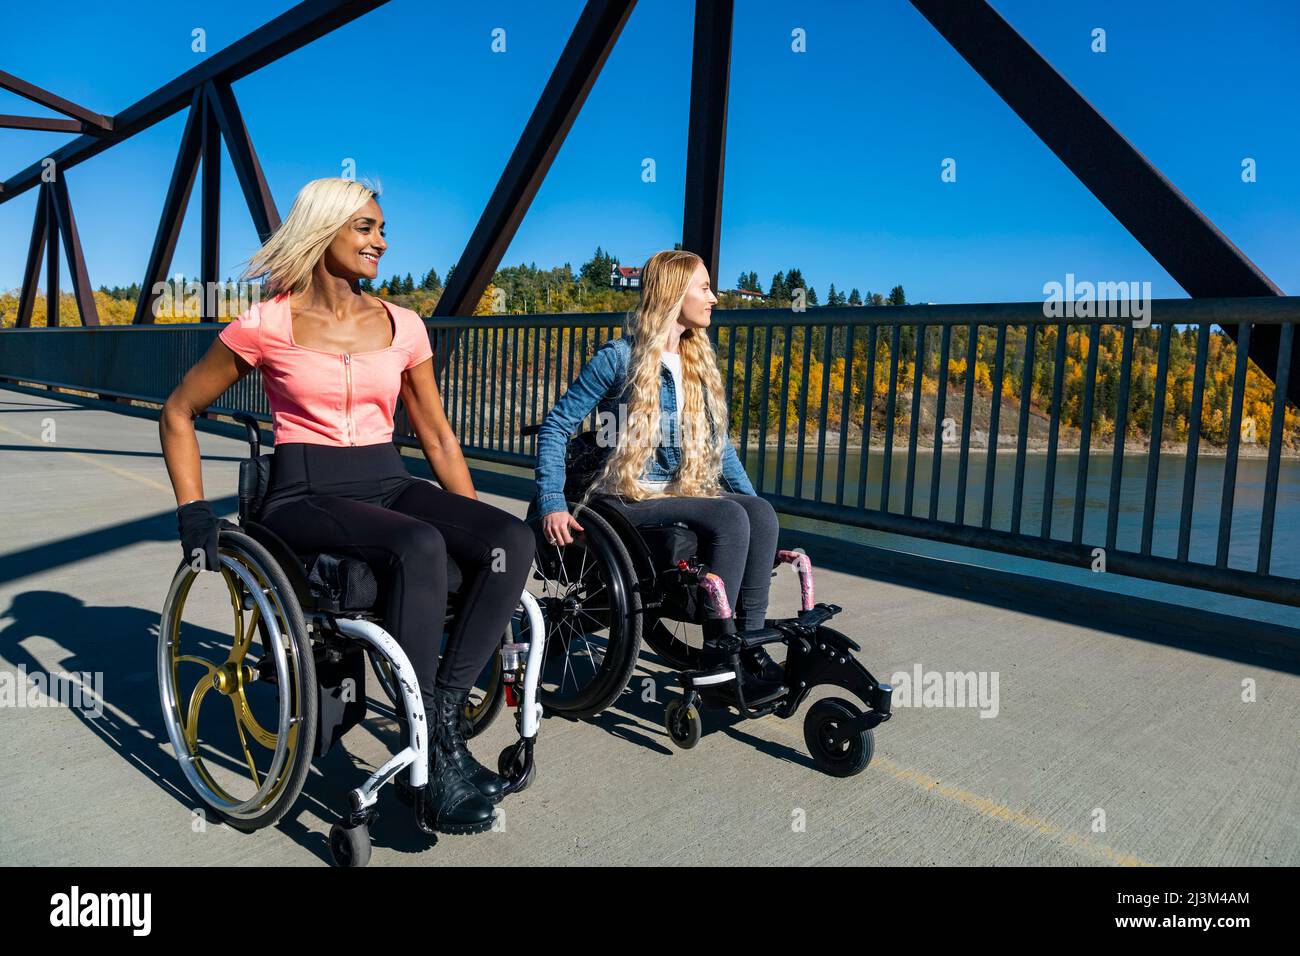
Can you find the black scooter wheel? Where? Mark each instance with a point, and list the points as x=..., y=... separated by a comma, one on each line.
x=683, y=723
x=843, y=758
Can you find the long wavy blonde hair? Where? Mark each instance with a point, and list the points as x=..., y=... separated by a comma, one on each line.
x=702, y=404
x=322, y=207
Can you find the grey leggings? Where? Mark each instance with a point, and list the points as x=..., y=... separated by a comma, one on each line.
x=737, y=540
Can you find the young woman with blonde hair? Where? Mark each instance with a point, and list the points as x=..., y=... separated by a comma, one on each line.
x=663, y=415
x=334, y=360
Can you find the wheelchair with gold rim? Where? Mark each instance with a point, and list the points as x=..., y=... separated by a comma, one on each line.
x=294, y=673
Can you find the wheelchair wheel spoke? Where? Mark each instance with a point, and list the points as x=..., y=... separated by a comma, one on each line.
x=192, y=713
x=243, y=741
x=212, y=668
x=244, y=716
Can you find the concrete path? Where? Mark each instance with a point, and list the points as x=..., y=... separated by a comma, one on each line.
x=1102, y=749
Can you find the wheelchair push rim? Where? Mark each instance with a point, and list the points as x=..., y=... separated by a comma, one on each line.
x=583, y=589
x=262, y=604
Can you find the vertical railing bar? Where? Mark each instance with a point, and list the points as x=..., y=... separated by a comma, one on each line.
x=828, y=339
x=918, y=380
x=1157, y=435
x=963, y=460
x=1054, y=431
x=1022, y=438
x=846, y=402
x=1234, y=439
x=1121, y=430
x=995, y=418
x=495, y=334
x=1085, y=432
x=803, y=411
x=1193, y=440
x=762, y=409
x=891, y=409
x=940, y=410
x=787, y=336
x=869, y=397
x=746, y=389
x=1276, y=427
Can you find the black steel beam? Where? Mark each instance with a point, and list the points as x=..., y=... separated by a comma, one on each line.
x=67, y=228
x=1177, y=235
x=288, y=32
x=51, y=259
x=261, y=204
x=11, y=121
x=706, y=141
x=210, y=205
x=57, y=103
x=588, y=47
x=173, y=212
x=31, y=273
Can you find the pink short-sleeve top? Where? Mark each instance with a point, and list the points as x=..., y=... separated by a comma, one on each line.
x=327, y=398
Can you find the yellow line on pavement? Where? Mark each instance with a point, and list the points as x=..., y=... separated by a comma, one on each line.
x=94, y=461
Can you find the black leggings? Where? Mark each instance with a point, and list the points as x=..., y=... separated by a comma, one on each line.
x=737, y=540
x=360, y=501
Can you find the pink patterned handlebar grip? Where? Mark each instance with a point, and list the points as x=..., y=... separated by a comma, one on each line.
x=719, y=606
x=803, y=565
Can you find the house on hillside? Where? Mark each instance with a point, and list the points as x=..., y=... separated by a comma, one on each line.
x=748, y=295
x=625, y=277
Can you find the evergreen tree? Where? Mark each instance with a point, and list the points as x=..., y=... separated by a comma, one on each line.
x=854, y=298
x=431, y=282
x=896, y=296
x=598, y=268
x=793, y=280
x=779, y=290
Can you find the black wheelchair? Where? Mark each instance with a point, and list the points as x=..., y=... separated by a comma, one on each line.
x=618, y=585
x=294, y=673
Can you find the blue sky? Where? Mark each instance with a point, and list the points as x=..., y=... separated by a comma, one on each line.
x=833, y=155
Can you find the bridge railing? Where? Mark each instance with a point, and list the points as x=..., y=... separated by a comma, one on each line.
x=1146, y=447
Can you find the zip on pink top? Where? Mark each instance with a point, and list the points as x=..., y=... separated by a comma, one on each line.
x=327, y=398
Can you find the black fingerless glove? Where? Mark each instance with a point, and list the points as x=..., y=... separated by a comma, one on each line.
x=199, y=530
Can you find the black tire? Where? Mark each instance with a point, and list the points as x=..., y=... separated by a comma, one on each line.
x=683, y=723
x=596, y=564
x=852, y=755
x=350, y=846
x=251, y=814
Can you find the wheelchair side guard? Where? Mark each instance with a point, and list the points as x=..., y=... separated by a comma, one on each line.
x=824, y=656
x=416, y=754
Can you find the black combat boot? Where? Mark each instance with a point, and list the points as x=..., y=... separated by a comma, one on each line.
x=451, y=713
x=451, y=804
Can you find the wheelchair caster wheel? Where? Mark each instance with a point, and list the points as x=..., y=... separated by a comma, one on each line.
x=683, y=723
x=832, y=752
x=350, y=845
x=513, y=764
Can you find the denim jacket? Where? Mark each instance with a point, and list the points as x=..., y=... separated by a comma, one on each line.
x=603, y=385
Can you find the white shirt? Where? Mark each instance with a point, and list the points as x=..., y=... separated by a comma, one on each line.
x=673, y=361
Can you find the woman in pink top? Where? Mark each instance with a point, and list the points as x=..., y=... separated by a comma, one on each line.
x=333, y=361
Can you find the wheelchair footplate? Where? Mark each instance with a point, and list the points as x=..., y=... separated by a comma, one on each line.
x=839, y=734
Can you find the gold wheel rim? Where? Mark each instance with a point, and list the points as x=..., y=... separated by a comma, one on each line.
x=229, y=679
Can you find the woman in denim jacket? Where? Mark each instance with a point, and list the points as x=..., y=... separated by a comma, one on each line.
x=662, y=412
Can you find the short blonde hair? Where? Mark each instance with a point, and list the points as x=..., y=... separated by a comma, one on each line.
x=321, y=208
